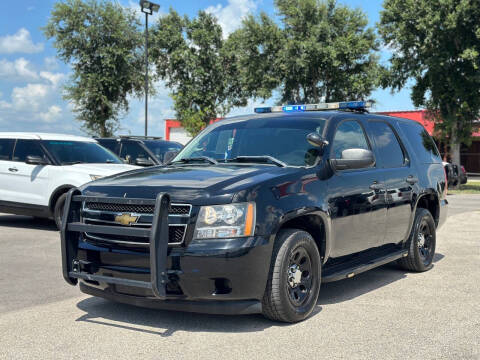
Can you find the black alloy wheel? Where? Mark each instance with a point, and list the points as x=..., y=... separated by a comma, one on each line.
x=294, y=280
x=421, y=243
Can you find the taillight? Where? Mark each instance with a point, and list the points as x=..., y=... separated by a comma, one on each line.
x=463, y=169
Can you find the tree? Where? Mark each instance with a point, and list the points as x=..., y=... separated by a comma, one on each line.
x=102, y=42
x=437, y=44
x=321, y=51
x=189, y=55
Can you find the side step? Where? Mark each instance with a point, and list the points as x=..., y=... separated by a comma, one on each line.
x=360, y=264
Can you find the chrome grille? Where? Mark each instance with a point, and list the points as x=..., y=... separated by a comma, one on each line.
x=175, y=209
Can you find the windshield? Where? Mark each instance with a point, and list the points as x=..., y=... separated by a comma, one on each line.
x=75, y=152
x=280, y=138
x=159, y=148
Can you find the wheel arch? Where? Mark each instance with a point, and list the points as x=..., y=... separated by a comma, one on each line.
x=431, y=202
x=59, y=191
x=317, y=224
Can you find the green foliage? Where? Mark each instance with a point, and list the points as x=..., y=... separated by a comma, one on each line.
x=102, y=42
x=437, y=43
x=189, y=55
x=322, y=51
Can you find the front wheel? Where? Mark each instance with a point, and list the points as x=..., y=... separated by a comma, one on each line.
x=421, y=243
x=294, y=280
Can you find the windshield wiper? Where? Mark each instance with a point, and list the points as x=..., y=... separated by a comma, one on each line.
x=72, y=162
x=200, y=158
x=260, y=158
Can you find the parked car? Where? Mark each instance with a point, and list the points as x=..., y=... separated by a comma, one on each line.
x=456, y=174
x=463, y=175
x=37, y=170
x=140, y=150
x=451, y=174
x=257, y=211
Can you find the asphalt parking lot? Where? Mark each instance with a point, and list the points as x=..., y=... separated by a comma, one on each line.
x=385, y=313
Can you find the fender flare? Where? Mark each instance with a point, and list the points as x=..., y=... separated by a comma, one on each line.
x=59, y=190
x=427, y=192
x=315, y=211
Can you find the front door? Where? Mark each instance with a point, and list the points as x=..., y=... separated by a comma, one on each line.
x=356, y=197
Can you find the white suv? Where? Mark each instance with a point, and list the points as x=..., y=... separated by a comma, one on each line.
x=37, y=170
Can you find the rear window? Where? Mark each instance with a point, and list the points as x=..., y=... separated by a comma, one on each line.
x=423, y=145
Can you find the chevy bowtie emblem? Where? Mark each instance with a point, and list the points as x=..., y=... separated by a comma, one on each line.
x=126, y=219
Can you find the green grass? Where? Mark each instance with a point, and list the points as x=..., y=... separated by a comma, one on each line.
x=471, y=187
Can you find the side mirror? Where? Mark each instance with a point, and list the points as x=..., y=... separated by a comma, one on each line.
x=35, y=160
x=354, y=159
x=316, y=140
x=143, y=162
x=169, y=156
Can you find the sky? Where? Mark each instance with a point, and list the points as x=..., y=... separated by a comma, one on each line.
x=32, y=78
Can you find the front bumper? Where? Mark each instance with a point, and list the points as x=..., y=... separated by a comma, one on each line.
x=224, y=276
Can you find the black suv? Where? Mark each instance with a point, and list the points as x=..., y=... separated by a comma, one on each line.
x=256, y=211
x=140, y=150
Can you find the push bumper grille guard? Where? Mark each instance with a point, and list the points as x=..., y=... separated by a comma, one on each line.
x=158, y=235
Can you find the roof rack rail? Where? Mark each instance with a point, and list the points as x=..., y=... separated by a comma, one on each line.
x=360, y=106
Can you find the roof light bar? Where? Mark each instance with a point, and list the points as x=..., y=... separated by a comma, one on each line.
x=344, y=105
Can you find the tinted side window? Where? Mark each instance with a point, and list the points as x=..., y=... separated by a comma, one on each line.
x=423, y=145
x=6, y=148
x=349, y=135
x=387, y=144
x=110, y=144
x=25, y=148
x=133, y=150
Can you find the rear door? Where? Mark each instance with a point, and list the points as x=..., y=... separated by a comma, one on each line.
x=6, y=170
x=399, y=178
x=31, y=182
x=356, y=197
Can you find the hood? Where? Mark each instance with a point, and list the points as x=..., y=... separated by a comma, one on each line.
x=101, y=169
x=195, y=184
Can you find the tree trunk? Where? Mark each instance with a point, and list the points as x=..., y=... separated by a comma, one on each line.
x=455, y=152
x=454, y=144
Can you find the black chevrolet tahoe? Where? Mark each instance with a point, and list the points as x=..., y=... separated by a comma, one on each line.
x=257, y=211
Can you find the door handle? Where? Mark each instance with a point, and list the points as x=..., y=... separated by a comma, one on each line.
x=13, y=169
x=376, y=186
x=411, y=179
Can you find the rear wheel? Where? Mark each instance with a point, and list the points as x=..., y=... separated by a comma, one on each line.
x=294, y=280
x=421, y=244
x=58, y=210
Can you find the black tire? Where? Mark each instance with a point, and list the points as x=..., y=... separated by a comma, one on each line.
x=295, y=276
x=58, y=210
x=421, y=243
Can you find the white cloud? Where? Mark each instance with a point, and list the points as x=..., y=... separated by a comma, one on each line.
x=54, y=78
x=19, y=68
x=19, y=42
x=52, y=114
x=51, y=63
x=30, y=97
x=230, y=16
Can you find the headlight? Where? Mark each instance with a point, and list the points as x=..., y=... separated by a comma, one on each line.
x=95, y=177
x=225, y=221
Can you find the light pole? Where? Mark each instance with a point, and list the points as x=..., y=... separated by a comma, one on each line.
x=148, y=8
